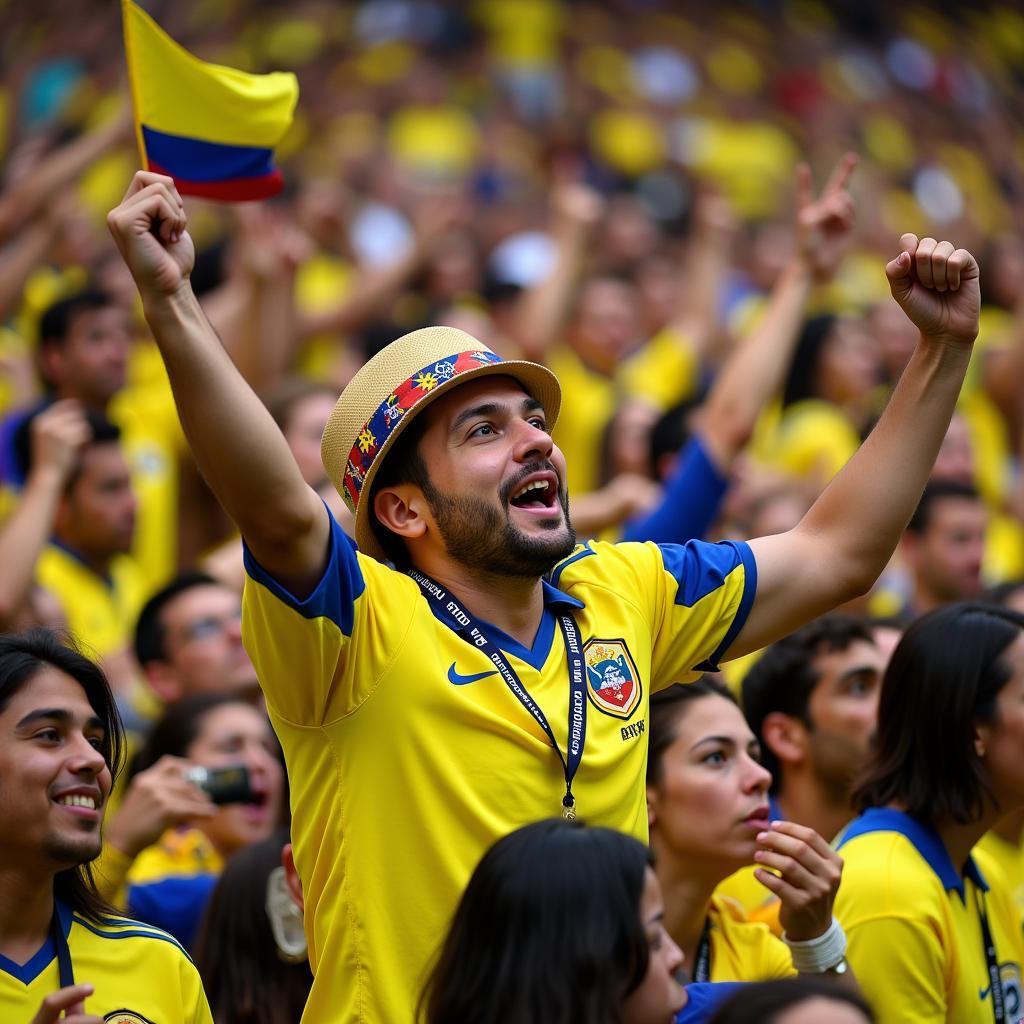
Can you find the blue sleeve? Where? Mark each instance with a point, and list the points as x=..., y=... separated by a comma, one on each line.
x=693, y=496
x=340, y=583
x=704, y=998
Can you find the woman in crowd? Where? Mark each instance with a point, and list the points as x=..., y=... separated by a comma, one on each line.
x=794, y=1001
x=933, y=933
x=707, y=800
x=560, y=924
x=251, y=951
x=170, y=858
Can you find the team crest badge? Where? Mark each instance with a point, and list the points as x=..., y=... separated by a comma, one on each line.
x=612, y=679
x=126, y=1017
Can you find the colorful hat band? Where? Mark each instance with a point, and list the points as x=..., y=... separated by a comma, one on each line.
x=379, y=427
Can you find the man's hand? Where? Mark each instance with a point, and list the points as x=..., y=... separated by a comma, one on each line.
x=156, y=800
x=808, y=880
x=149, y=229
x=937, y=287
x=66, y=1005
x=824, y=225
x=58, y=435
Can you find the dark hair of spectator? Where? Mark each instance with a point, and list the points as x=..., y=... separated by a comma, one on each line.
x=403, y=464
x=55, y=323
x=548, y=929
x=149, y=630
x=22, y=657
x=936, y=491
x=784, y=677
x=944, y=677
x=179, y=727
x=764, y=1001
x=801, y=383
x=670, y=432
x=245, y=979
x=101, y=431
x=286, y=396
x=667, y=708
x=1001, y=593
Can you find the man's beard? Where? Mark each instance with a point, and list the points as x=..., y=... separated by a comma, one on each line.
x=73, y=851
x=838, y=763
x=477, y=536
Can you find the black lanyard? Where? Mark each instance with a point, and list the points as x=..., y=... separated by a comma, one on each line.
x=702, y=961
x=471, y=632
x=60, y=946
x=992, y=963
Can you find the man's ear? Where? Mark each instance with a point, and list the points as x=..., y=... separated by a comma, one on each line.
x=401, y=509
x=785, y=736
x=652, y=800
x=163, y=681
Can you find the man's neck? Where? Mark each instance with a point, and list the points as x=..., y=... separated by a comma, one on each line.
x=97, y=563
x=959, y=839
x=26, y=908
x=805, y=802
x=1011, y=828
x=514, y=604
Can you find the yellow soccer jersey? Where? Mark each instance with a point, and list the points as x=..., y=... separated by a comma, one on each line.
x=140, y=974
x=757, y=903
x=994, y=854
x=744, y=950
x=100, y=612
x=914, y=925
x=408, y=755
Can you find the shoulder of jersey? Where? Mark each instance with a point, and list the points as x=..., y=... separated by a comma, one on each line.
x=126, y=929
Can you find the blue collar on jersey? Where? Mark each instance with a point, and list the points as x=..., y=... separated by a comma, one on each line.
x=537, y=655
x=71, y=552
x=925, y=840
x=27, y=972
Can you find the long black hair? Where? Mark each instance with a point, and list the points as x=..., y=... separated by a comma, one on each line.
x=245, y=979
x=944, y=677
x=22, y=657
x=548, y=929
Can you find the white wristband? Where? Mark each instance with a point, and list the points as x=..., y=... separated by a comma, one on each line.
x=815, y=956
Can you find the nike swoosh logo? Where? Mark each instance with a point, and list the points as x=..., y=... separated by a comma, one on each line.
x=460, y=680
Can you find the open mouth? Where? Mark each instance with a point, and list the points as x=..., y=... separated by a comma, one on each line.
x=538, y=494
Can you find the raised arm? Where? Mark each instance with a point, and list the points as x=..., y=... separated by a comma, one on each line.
x=842, y=544
x=238, y=447
x=754, y=371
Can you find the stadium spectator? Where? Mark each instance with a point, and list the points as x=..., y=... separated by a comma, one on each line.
x=934, y=934
x=475, y=497
x=188, y=641
x=87, y=564
x=61, y=945
x=529, y=941
x=812, y=702
x=708, y=811
x=251, y=950
x=794, y=1001
x=166, y=845
x=943, y=547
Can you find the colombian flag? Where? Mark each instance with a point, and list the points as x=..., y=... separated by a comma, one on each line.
x=211, y=128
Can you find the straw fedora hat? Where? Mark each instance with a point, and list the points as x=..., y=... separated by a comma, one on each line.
x=394, y=387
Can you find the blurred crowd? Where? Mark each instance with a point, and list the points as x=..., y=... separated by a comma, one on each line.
x=657, y=200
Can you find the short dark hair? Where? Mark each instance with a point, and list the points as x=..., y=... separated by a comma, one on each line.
x=149, y=630
x=670, y=432
x=55, y=323
x=667, y=707
x=235, y=952
x=784, y=677
x=101, y=431
x=179, y=726
x=403, y=464
x=934, y=492
x=22, y=657
x=944, y=677
x=529, y=940
x=764, y=1000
